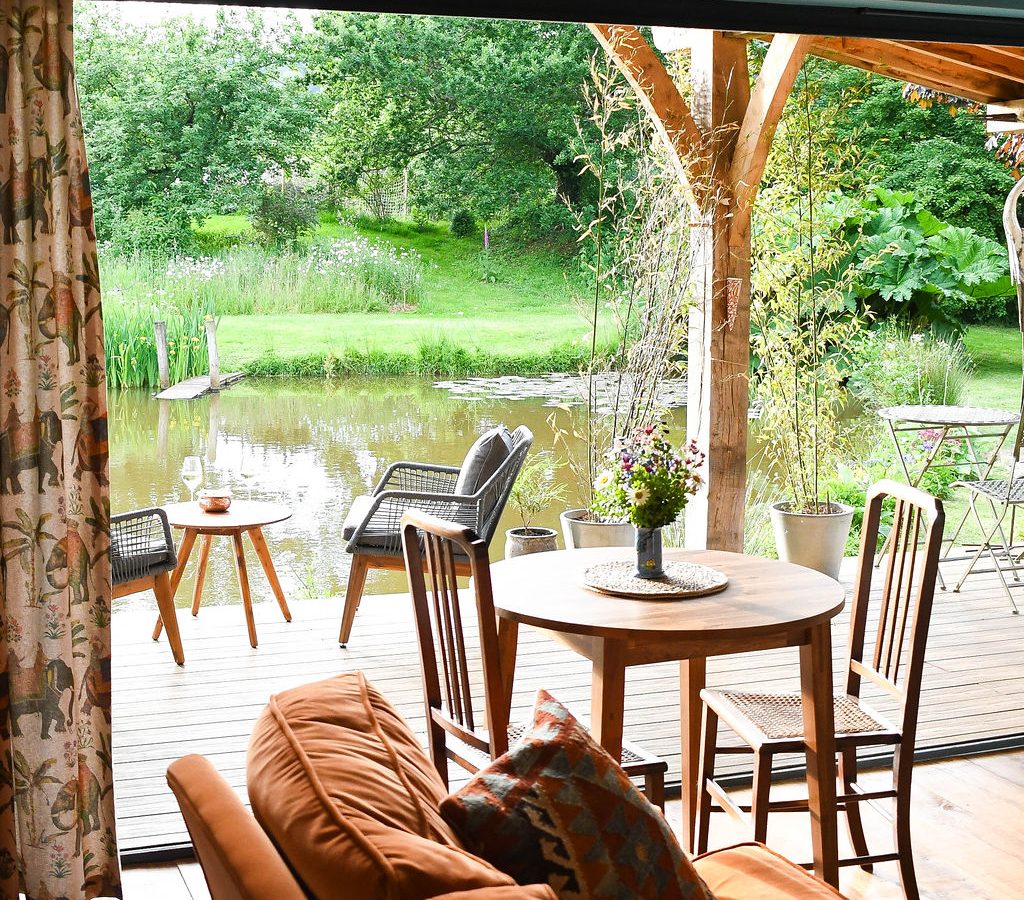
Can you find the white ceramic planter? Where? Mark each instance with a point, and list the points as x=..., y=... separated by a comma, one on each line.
x=578, y=532
x=522, y=541
x=816, y=541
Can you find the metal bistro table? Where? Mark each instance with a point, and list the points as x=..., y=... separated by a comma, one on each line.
x=969, y=424
x=767, y=604
x=244, y=517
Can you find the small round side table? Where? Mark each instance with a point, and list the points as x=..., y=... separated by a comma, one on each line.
x=243, y=517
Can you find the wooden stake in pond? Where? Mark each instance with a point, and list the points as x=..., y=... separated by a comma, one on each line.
x=211, y=348
x=160, y=330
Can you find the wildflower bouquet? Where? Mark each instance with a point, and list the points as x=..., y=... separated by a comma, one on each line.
x=647, y=481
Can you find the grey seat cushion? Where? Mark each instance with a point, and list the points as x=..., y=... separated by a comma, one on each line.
x=139, y=563
x=488, y=452
x=359, y=511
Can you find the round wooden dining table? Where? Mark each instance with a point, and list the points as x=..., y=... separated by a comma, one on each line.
x=767, y=604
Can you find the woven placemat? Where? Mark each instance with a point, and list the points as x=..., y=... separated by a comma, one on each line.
x=681, y=580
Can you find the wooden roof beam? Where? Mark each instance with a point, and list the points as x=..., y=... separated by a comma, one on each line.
x=918, y=67
x=980, y=59
x=785, y=56
x=670, y=113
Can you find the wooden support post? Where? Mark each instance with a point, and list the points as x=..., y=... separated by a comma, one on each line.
x=163, y=369
x=719, y=338
x=720, y=141
x=211, y=349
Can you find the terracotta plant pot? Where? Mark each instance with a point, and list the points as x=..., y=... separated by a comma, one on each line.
x=814, y=540
x=578, y=531
x=522, y=541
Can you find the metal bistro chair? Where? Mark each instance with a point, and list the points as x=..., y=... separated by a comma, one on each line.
x=432, y=547
x=1004, y=494
x=773, y=723
x=141, y=556
x=473, y=494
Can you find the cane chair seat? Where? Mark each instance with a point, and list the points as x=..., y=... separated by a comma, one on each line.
x=779, y=717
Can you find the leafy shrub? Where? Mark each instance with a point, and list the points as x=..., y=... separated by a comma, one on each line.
x=911, y=265
x=283, y=216
x=157, y=229
x=463, y=223
x=893, y=366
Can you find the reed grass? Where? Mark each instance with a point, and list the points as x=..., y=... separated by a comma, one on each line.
x=130, y=343
x=439, y=358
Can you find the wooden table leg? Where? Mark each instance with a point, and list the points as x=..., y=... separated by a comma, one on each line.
x=168, y=615
x=243, y=585
x=608, y=695
x=819, y=728
x=184, y=552
x=263, y=554
x=508, y=646
x=692, y=678
x=204, y=558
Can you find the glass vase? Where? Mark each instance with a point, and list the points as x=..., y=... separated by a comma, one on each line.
x=648, y=553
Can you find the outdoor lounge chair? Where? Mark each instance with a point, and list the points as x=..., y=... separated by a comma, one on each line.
x=473, y=494
x=141, y=556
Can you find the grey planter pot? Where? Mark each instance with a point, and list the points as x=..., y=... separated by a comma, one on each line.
x=579, y=533
x=814, y=541
x=523, y=541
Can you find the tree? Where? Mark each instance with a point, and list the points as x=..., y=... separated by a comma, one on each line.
x=938, y=153
x=183, y=119
x=482, y=110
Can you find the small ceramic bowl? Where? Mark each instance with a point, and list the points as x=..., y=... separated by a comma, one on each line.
x=214, y=501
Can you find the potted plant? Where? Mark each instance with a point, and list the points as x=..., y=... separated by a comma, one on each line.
x=534, y=489
x=636, y=241
x=802, y=334
x=648, y=483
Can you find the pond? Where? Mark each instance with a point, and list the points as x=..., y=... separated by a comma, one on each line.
x=313, y=445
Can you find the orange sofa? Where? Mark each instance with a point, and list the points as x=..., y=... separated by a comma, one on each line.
x=346, y=806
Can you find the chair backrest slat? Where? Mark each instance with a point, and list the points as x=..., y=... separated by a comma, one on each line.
x=904, y=601
x=432, y=548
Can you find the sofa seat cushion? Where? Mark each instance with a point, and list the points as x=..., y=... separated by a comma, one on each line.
x=342, y=786
x=558, y=810
x=752, y=870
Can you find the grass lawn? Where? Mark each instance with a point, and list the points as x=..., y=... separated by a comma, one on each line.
x=503, y=302
x=996, y=351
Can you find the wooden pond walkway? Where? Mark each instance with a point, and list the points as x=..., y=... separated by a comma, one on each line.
x=973, y=684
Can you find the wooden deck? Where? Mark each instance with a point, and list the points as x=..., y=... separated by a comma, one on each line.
x=973, y=686
x=197, y=386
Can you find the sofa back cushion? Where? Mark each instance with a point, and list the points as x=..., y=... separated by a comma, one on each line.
x=345, y=791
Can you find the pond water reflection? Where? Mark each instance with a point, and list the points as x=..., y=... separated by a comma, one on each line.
x=313, y=445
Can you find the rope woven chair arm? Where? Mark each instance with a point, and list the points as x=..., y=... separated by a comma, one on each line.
x=414, y=476
x=140, y=542
x=383, y=518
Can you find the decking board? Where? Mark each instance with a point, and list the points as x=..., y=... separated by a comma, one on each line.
x=973, y=684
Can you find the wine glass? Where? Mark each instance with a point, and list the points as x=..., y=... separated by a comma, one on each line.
x=192, y=473
x=249, y=470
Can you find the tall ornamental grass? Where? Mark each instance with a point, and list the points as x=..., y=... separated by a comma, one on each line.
x=344, y=275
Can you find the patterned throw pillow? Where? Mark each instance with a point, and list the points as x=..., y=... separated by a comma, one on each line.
x=558, y=810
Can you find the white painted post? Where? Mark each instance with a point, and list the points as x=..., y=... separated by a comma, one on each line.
x=211, y=349
x=160, y=331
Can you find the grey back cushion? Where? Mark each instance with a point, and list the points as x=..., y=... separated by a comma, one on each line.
x=488, y=452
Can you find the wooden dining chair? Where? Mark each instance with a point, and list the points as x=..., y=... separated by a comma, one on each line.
x=892, y=660
x=456, y=729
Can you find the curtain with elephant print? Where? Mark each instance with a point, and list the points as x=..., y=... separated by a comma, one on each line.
x=56, y=785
